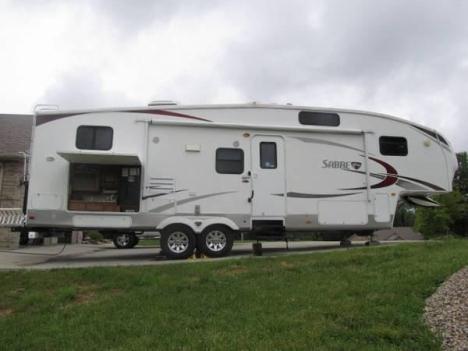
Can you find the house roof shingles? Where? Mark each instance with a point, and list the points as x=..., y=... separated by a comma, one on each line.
x=15, y=134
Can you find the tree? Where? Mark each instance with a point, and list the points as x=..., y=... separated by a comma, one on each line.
x=461, y=176
x=439, y=221
x=460, y=225
x=432, y=222
x=452, y=216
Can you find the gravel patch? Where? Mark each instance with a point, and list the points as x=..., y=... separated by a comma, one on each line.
x=446, y=312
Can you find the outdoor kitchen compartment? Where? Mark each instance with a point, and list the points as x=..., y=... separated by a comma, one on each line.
x=107, y=188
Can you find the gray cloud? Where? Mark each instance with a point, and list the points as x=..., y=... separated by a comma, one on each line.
x=359, y=42
x=129, y=17
x=391, y=56
x=400, y=51
x=83, y=89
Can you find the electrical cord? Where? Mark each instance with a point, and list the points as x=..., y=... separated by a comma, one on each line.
x=35, y=253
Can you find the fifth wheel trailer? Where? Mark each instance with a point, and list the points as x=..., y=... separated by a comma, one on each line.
x=201, y=174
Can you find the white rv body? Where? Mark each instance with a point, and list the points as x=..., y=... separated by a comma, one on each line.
x=321, y=178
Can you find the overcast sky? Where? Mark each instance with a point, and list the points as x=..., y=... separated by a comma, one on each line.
x=407, y=58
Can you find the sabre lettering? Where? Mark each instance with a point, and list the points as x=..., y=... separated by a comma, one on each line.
x=341, y=164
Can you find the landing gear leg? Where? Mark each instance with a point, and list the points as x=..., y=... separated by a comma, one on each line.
x=372, y=241
x=24, y=238
x=345, y=243
x=257, y=249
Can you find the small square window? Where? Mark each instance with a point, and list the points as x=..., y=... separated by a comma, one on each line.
x=229, y=161
x=268, y=159
x=393, y=146
x=94, y=138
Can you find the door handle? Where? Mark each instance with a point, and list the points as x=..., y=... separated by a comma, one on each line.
x=246, y=178
x=251, y=196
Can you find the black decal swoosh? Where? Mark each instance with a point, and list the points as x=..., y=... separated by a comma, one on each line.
x=162, y=194
x=430, y=185
x=409, y=186
x=190, y=199
x=312, y=196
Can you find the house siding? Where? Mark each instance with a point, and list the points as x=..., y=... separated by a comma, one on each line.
x=11, y=190
x=11, y=196
x=15, y=139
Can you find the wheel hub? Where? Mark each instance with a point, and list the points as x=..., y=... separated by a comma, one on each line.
x=216, y=240
x=123, y=239
x=178, y=242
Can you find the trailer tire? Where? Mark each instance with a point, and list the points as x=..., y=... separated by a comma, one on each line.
x=136, y=241
x=125, y=240
x=178, y=242
x=216, y=240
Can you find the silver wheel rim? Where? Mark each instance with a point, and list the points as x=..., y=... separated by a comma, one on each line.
x=123, y=239
x=178, y=242
x=216, y=240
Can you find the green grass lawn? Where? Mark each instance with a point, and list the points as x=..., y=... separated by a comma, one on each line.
x=149, y=242
x=359, y=299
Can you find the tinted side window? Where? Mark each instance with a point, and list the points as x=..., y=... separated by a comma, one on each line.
x=229, y=161
x=84, y=137
x=319, y=119
x=441, y=138
x=268, y=155
x=94, y=138
x=432, y=134
x=427, y=131
x=393, y=146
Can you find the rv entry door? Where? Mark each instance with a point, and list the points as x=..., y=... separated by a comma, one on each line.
x=268, y=177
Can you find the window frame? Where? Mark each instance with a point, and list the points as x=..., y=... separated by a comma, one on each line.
x=394, y=138
x=93, y=143
x=261, y=155
x=324, y=119
x=217, y=159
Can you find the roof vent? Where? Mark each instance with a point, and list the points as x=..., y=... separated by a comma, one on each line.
x=162, y=102
x=46, y=107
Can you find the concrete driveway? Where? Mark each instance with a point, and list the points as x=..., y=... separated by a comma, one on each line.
x=75, y=256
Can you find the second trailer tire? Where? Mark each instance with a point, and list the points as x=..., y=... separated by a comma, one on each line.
x=216, y=241
x=178, y=242
x=125, y=240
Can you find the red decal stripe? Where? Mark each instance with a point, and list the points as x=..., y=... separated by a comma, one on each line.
x=45, y=118
x=168, y=113
x=391, y=177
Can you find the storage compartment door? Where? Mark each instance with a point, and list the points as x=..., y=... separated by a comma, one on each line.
x=382, y=208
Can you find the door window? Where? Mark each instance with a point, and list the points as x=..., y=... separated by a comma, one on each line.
x=268, y=158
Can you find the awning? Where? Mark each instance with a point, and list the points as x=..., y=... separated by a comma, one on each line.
x=100, y=158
